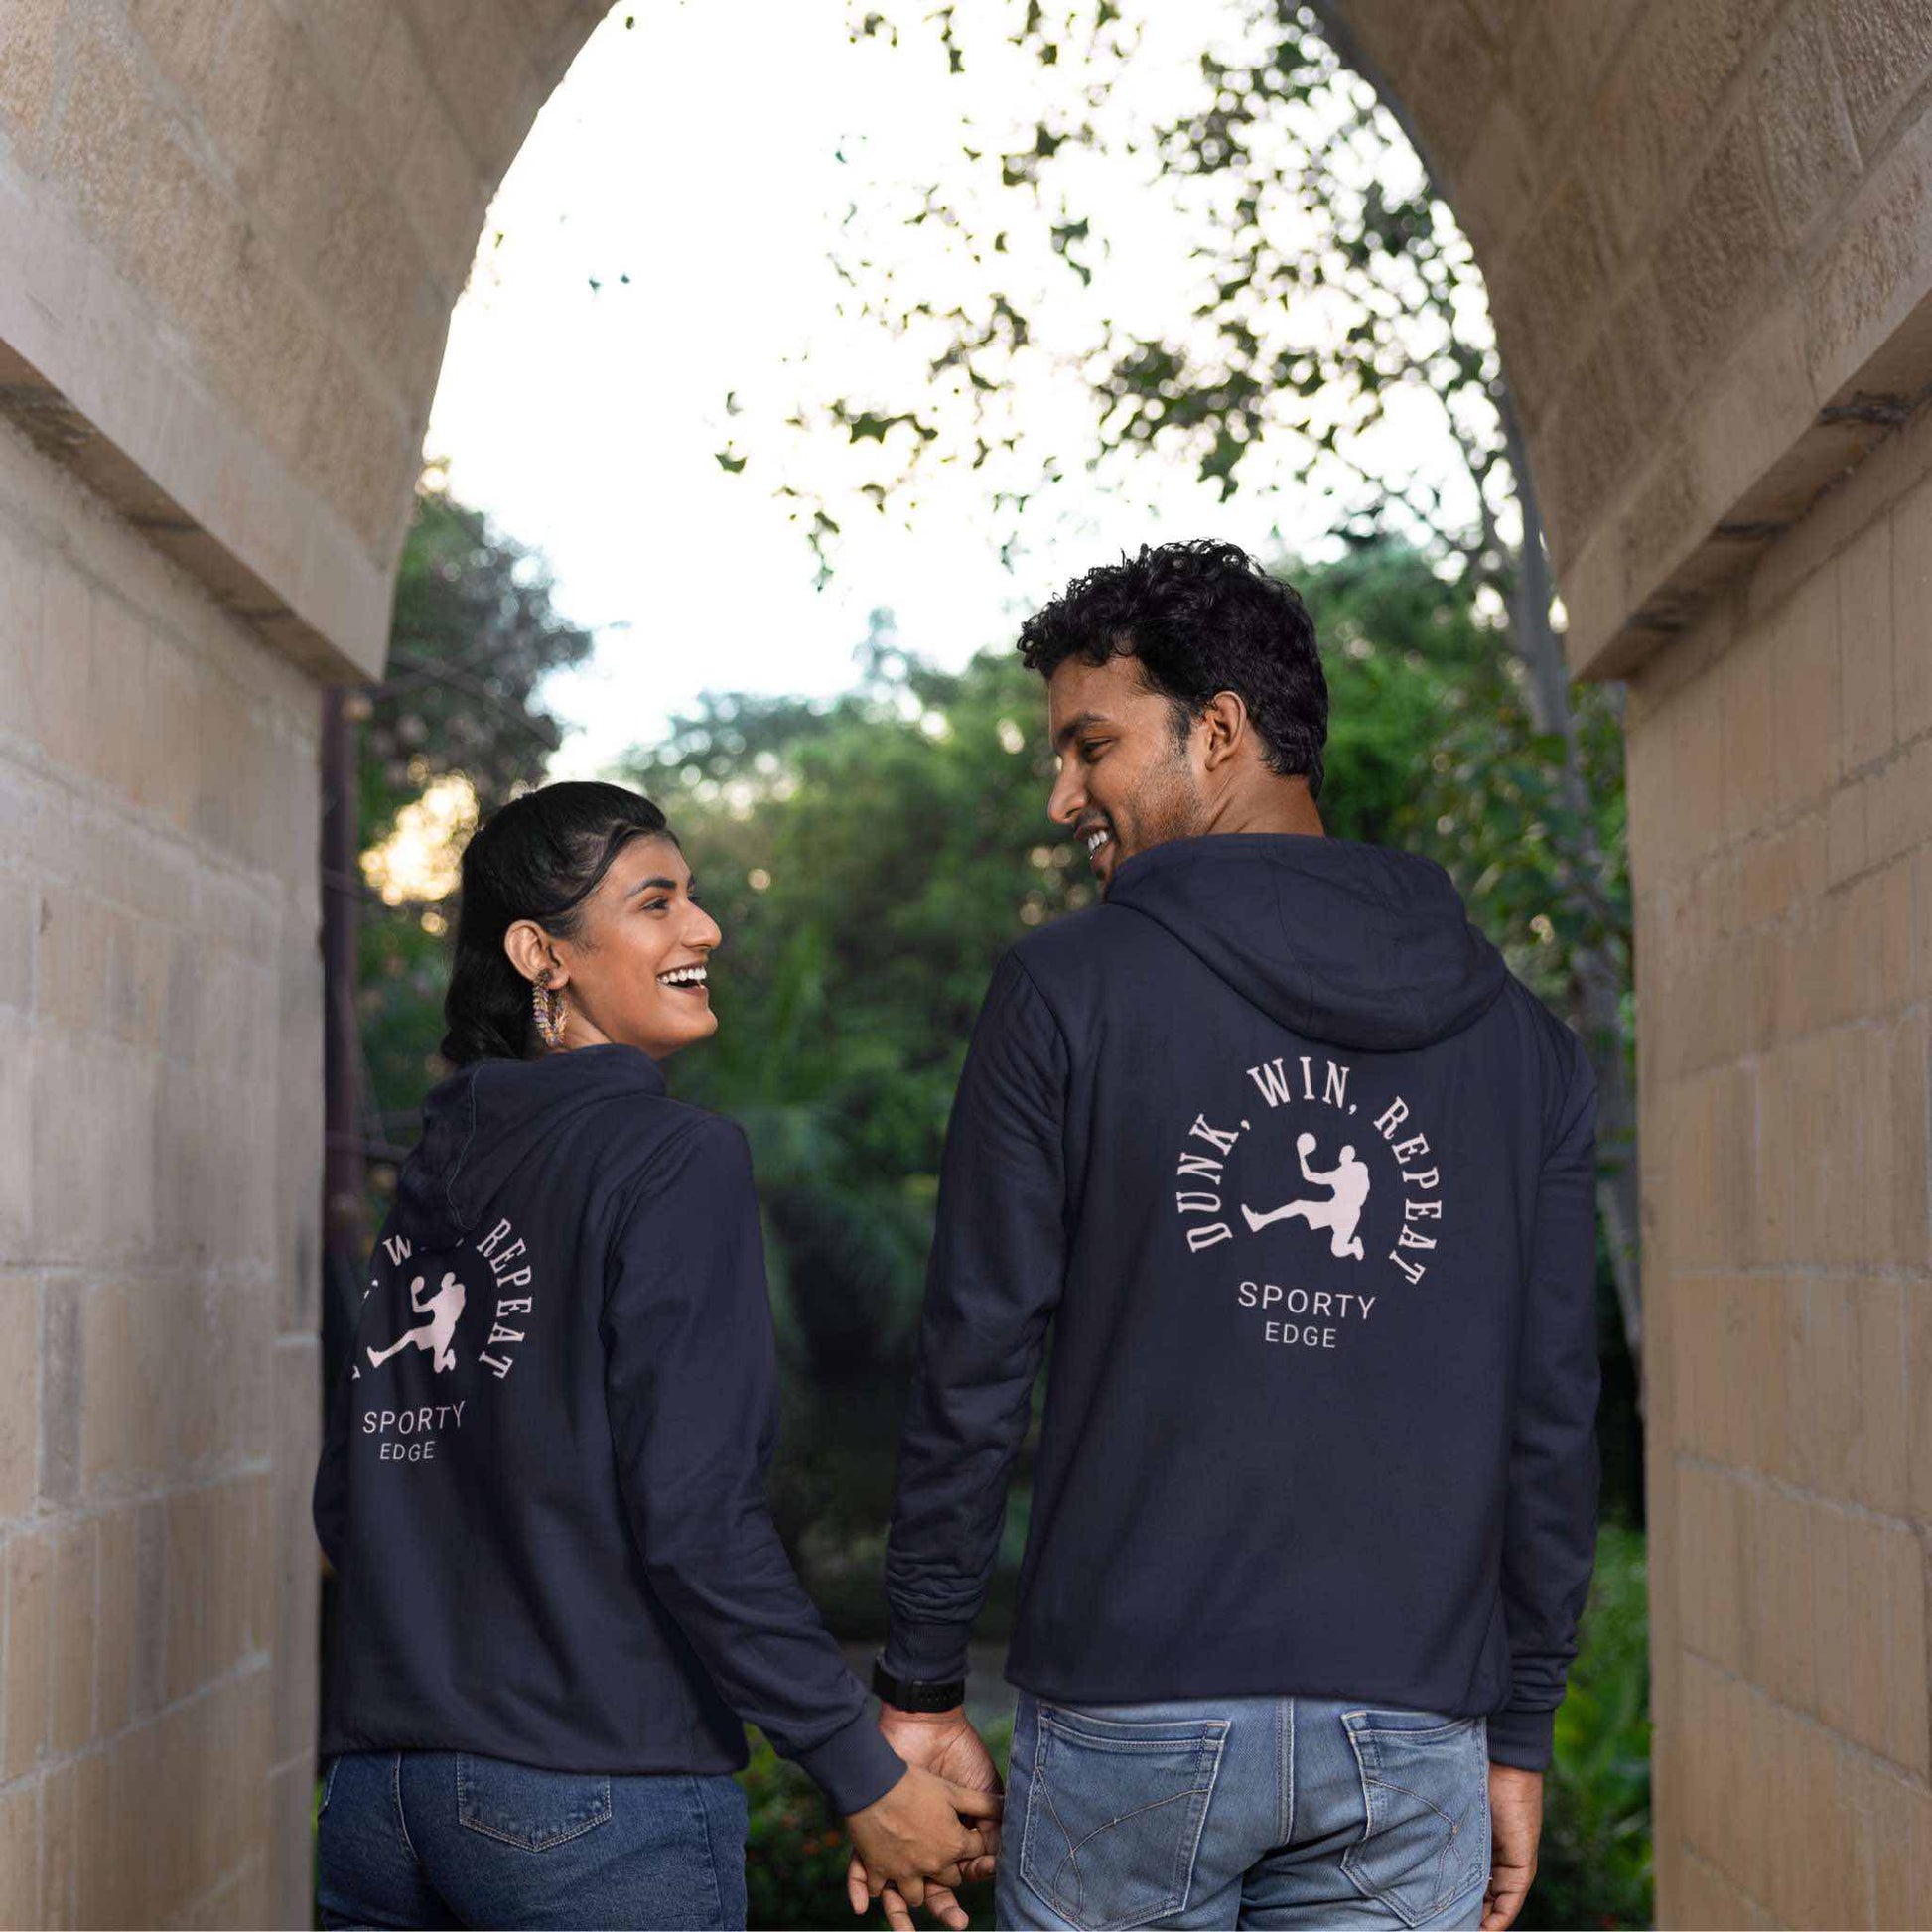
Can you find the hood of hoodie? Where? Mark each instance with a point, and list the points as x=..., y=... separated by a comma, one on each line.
x=1354, y=945
x=488, y=1118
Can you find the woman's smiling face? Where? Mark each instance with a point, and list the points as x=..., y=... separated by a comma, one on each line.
x=636, y=973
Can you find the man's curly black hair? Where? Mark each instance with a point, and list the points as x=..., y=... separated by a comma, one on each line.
x=1202, y=618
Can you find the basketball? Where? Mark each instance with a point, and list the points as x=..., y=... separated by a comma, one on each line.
x=1304, y=1143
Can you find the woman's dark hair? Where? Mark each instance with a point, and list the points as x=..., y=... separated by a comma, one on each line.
x=540, y=857
x=1200, y=618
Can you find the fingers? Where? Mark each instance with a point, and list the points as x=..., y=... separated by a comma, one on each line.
x=943, y=1906
x=898, y=1912
x=974, y=1804
x=857, y=1892
x=1505, y=1902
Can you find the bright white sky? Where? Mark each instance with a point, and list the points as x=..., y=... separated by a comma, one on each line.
x=699, y=154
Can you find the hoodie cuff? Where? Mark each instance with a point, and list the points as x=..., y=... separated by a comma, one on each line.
x=854, y=1766
x=1522, y=1738
x=928, y=1653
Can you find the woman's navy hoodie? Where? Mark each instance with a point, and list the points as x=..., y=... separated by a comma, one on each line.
x=542, y=1486
x=1303, y=1179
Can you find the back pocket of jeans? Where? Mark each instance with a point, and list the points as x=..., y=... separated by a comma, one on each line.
x=1425, y=1838
x=1114, y=1813
x=524, y=1806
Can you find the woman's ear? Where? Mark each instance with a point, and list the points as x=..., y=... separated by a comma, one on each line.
x=532, y=954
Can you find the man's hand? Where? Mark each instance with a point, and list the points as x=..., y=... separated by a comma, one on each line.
x=1515, y=1825
x=945, y=1744
x=914, y=1840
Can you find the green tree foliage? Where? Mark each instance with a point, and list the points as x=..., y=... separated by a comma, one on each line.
x=472, y=636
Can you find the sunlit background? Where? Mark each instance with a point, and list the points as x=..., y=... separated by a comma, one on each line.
x=645, y=261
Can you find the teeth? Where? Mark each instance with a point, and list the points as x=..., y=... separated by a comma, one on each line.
x=683, y=976
x=1095, y=841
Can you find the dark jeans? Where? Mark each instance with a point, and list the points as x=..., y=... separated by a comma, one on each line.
x=444, y=1839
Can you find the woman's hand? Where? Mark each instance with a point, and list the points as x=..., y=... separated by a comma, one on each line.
x=945, y=1744
x=919, y=1831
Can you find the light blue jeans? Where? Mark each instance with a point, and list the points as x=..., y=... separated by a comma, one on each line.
x=1243, y=1811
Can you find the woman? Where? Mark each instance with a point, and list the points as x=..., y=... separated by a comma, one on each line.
x=542, y=1487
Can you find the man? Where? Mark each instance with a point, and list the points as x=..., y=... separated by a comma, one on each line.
x=1314, y=1507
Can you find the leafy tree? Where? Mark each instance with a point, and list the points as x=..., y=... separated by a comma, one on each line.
x=1334, y=296
x=456, y=721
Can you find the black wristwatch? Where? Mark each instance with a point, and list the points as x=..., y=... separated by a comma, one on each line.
x=910, y=1694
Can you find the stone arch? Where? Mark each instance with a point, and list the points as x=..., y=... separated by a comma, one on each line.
x=231, y=233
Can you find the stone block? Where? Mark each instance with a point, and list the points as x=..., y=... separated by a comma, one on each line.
x=1864, y=634
x=1906, y=1738
x=185, y=38
x=446, y=197
x=120, y=1607
x=17, y=1124
x=1824, y=1436
x=70, y=1710
x=1808, y=142
x=63, y=667
x=1901, y=1820
x=108, y=130
x=1862, y=289
x=61, y=1824
x=395, y=93
x=29, y=1642
x=1499, y=181
x=1906, y=1242
x=1787, y=1600
x=1878, y=1467
x=1696, y=759
x=19, y=638
x=19, y=1335
x=1911, y=557
x=1845, y=833
x=1747, y=676
x=1587, y=446
x=1719, y=247
x=1885, y=49
x=20, y=1855
x=28, y=81
x=1830, y=1612
x=1867, y=1635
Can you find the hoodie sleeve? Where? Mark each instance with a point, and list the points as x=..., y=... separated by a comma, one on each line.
x=691, y=1385
x=1550, y=1529
x=998, y=1261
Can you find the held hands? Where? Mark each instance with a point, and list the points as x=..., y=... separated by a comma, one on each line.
x=944, y=1745
x=910, y=1845
x=1515, y=1825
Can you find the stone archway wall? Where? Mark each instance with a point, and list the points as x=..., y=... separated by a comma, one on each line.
x=230, y=235
x=1707, y=237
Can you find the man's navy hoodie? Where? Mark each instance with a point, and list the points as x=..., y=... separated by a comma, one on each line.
x=542, y=1486
x=1302, y=1178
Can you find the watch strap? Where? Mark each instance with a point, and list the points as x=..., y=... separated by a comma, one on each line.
x=910, y=1694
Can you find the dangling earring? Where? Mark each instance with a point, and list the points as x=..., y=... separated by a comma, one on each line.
x=549, y=1012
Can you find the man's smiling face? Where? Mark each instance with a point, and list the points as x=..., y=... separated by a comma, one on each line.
x=1127, y=780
